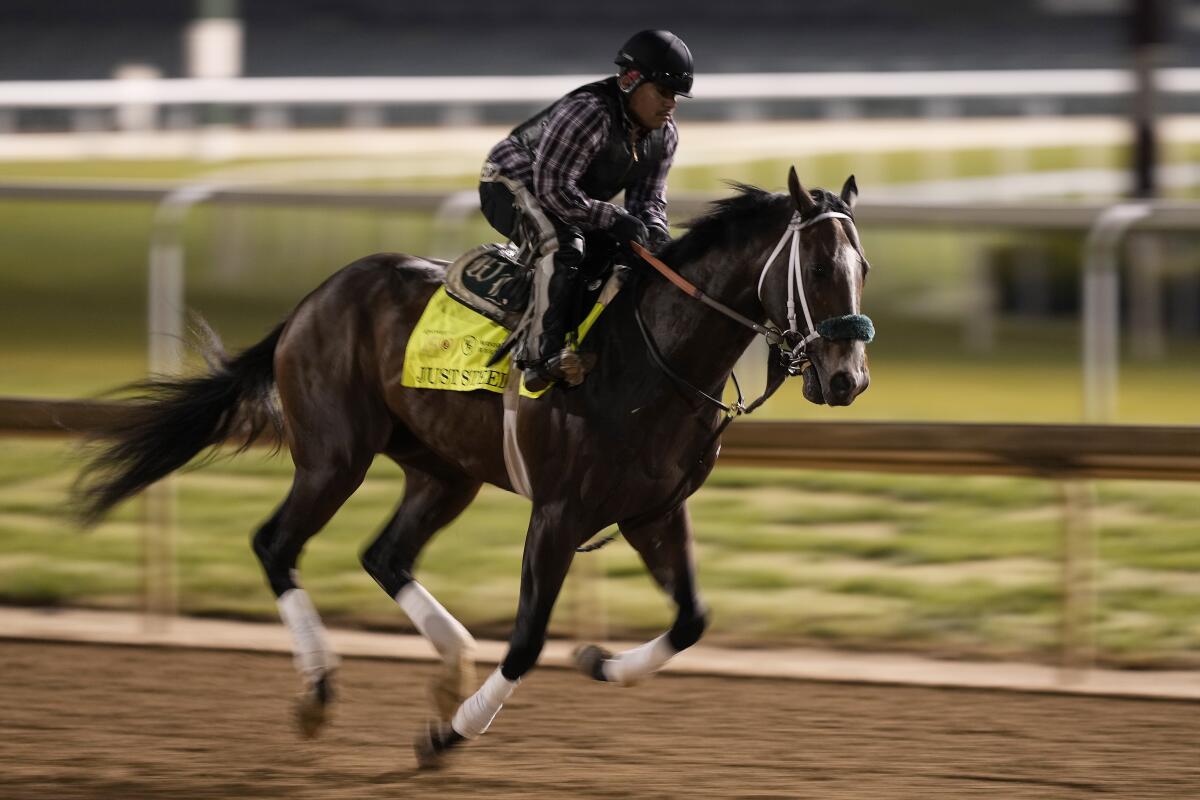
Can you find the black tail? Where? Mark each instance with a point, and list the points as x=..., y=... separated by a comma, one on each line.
x=171, y=420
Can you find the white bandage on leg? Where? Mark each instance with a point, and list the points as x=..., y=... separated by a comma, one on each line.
x=445, y=633
x=312, y=654
x=633, y=665
x=477, y=711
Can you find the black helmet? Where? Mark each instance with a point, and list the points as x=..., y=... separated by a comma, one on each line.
x=661, y=57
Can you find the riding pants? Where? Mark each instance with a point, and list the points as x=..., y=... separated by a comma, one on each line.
x=557, y=250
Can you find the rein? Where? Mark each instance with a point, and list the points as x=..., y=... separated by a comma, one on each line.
x=688, y=288
x=791, y=344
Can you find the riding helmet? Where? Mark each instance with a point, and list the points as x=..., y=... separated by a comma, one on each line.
x=661, y=57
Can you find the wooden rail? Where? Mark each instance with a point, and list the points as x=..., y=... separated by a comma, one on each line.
x=1046, y=451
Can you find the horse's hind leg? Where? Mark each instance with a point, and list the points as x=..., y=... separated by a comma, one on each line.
x=432, y=499
x=665, y=545
x=316, y=494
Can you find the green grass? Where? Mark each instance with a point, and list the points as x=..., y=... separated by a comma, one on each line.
x=931, y=564
x=963, y=566
x=72, y=313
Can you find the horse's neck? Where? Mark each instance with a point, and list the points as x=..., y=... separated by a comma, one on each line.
x=700, y=343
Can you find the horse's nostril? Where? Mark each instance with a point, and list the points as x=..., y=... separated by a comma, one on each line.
x=841, y=384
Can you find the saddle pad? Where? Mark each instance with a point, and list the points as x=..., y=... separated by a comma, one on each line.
x=451, y=344
x=490, y=280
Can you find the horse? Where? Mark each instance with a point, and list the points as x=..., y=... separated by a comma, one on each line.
x=627, y=447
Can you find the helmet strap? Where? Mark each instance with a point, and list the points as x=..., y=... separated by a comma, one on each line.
x=629, y=80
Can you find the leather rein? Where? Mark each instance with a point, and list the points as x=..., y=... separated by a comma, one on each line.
x=791, y=345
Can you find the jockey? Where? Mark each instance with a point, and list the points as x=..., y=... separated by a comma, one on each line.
x=547, y=186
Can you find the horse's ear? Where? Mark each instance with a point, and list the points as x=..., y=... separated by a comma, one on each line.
x=802, y=199
x=850, y=192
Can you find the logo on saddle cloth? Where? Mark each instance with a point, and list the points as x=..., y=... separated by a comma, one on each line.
x=486, y=294
x=451, y=345
x=491, y=280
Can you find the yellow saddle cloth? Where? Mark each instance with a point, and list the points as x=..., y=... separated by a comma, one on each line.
x=451, y=344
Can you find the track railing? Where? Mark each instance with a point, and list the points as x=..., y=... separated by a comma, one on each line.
x=1069, y=454
x=1065, y=452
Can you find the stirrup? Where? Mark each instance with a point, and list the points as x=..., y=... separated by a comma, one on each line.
x=566, y=365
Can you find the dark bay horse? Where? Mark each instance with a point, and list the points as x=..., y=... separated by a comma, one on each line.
x=627, y=447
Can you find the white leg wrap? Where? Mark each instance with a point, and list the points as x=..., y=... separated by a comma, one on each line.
x=312, y=654
x=445, y=633
x=476, y=713
x=631, y=666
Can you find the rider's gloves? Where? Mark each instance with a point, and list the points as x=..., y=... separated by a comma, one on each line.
x=657, y=237
x=626, y=227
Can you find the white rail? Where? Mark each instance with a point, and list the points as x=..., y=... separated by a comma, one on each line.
x=484, y=90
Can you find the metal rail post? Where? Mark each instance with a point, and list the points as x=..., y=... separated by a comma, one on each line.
x=1102, y=308
x=165, y=311
x=449, y=221
x=1077, y=632
x=1101, y=361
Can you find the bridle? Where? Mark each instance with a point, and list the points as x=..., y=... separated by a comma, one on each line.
x=794, y=348
x=791, y=345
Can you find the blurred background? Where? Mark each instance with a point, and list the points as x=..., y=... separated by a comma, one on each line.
x=1029, y=175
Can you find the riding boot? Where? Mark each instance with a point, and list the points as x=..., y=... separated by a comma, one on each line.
x=553, y=360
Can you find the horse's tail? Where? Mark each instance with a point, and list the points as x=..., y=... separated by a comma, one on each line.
x=173, y=419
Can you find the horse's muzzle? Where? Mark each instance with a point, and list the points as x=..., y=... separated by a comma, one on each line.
x=812, y=386
x=843, y=388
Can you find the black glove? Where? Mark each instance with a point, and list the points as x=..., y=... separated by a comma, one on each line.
x=626, y=227
x=658, y=238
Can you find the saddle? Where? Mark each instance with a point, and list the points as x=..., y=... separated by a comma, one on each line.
x=492, y=280
x=496, y=281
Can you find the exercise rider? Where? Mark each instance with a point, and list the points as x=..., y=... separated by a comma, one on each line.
x=547, y=186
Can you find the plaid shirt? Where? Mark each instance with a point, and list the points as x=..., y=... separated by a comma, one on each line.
x=573, y=135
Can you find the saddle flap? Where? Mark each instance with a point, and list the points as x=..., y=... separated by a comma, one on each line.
x=491, y=280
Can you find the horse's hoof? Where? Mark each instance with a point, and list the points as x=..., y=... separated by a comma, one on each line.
x=453, y=685
x=312, y=706
x=434, y=742
x=590, y=659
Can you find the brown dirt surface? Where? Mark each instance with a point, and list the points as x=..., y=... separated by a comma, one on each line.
x=80, y=721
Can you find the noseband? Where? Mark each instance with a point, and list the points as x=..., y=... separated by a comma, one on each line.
x=793, y=346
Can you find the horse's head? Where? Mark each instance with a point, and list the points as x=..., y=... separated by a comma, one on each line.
x=814, y=292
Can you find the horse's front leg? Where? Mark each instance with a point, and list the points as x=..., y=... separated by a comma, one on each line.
x=549, y=546
x=665, y=545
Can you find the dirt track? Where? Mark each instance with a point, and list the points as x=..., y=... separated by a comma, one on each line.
x=106, y=722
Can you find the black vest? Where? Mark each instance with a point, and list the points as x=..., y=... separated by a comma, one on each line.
x=614, y=167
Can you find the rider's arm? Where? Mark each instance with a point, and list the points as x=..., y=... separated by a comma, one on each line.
x=647, y=199
x=574, y=133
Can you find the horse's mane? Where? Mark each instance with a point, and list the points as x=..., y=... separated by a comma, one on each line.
x=739, y=218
